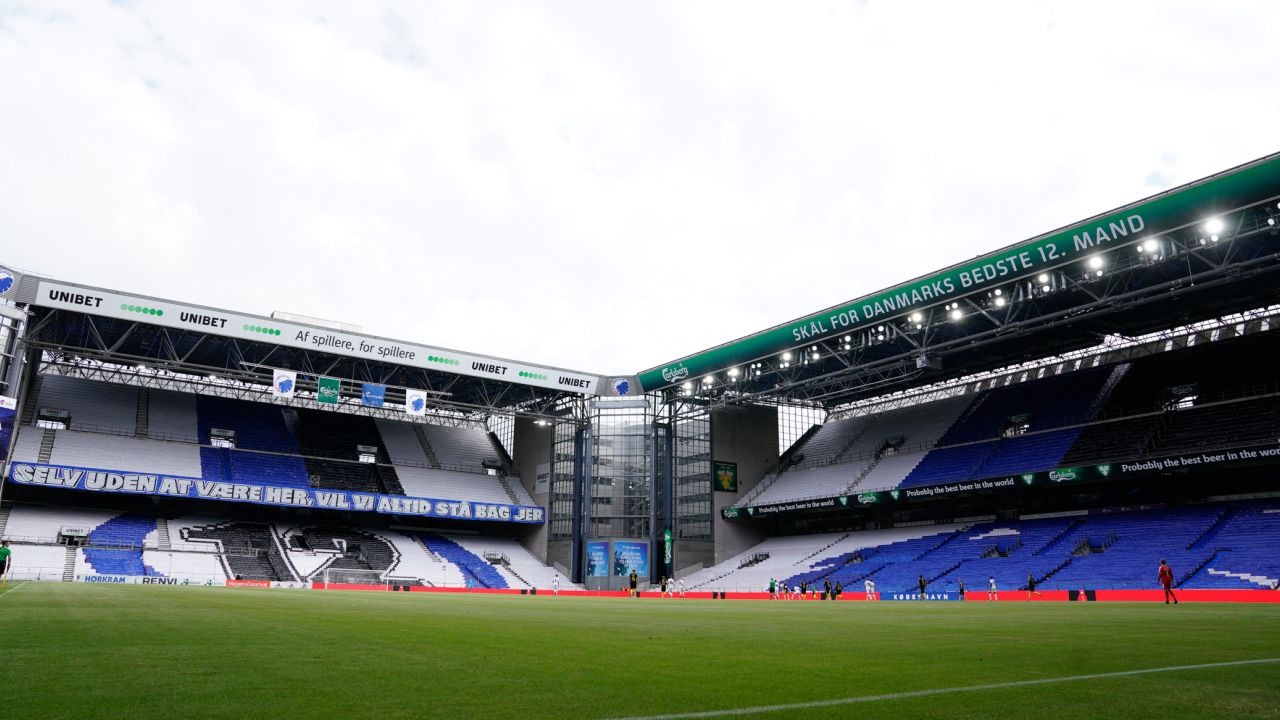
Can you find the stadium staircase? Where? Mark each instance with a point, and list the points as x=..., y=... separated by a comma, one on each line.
x=1057, y=539
x=853, y=486
x=426, y=446
x=504, y=481
x=4, y=519
x=853, y=440
x=69, y=565
x=32, y=404
x=1212, y=531
x=1104, y=394
x=822, y=549
x=46, y=446
x=141, y=419
x=758, y=490
x=163, y=542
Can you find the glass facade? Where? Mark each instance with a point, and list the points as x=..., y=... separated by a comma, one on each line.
x=560, y=512
x=621, y=472
x=691, y=459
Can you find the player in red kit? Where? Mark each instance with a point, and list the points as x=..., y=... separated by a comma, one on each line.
x=1165, y=576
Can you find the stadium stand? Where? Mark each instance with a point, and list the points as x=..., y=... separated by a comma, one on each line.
x=860, y=453
x=447, y=484
x=1216, y=545
x=128, y=533
x=517, y=566
x=1244, y=544
x=203, y=548
x=1030, y=408
x=91, y=405
x=477, y=571
x=461, y=448
x=330, y=440
x=111, y=452
x=257, y=427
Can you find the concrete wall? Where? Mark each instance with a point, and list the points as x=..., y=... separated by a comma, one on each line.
x=748, y=437
x=533, y=448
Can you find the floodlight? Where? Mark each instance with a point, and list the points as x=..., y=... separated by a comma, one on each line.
x=999, y=292
x=708, y=379
x=687, y=386
x=1000, y=302
x=733, y=372
x=786, y=356
x=1043, y=277
x=1099, y=273
x=1271, y=221
x=1213, y=238
x=1095, y=262
x=915, y=318
x=1045, y=288
x=1150, y=245
x=1213, y=226
x=956, y=314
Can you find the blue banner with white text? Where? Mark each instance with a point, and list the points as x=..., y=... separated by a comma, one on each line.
x=928, y=595
x=628, y=556
x=8, y=418
x=373, y=395
x=137, y=483
x=597, y=559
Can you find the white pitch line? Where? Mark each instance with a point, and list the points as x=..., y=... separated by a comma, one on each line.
x=729, y=712
x=15, y=587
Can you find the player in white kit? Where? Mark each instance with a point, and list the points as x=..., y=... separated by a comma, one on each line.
x=870, y=587
x=555, y=584
x=991, y=588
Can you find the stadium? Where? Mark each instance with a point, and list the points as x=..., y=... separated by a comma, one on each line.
x=1005, y=448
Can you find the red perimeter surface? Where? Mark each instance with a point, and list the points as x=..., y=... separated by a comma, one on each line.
x=1153, y=596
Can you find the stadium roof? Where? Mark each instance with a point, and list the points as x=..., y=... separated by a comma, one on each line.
x=1198, y=251
x=129, y=329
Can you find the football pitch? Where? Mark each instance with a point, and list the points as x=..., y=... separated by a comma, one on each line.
x=93, y=651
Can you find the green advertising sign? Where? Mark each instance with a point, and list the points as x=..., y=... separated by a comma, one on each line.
x=1246, y=185
x=328, y=390
x=726, y=477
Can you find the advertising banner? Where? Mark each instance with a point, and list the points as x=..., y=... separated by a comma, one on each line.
x=415, y=402
x=249, y=583
x=8, y=420
x=1269, y=452
x=328, y=390
x=598, y=559
x=154, y=311
x=542, y=479
x=726, y=477
x=630, y=555
x=373, y=394
x=144, y=580
x=135, y=483
x=284, y=383
x=913, y=596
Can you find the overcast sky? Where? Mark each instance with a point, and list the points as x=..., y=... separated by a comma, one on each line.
x=595, y=185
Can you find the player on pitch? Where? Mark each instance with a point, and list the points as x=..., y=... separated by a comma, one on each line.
x=1164, y=575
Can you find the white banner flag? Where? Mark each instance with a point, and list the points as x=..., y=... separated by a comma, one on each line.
x=415, y=402
x=283, y=383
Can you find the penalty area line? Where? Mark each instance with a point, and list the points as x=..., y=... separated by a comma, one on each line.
x=15, y=587
x=758, y=709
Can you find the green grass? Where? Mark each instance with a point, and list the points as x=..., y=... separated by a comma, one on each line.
x=90, y=651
